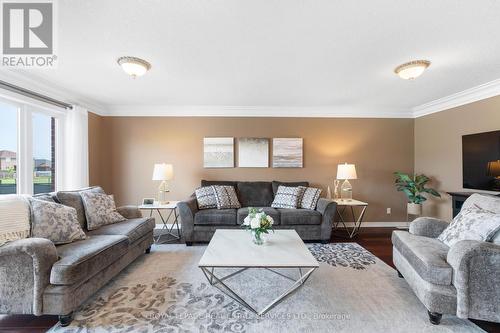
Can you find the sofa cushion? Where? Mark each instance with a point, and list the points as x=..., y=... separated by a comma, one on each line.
x=484, y=201
x=273, y=212
x=426, y=255
x=73, y=199
x=215, y=217
x=299, y=216
x=255, y=194
x=472, y=223
x=55, y=222
x=205, y=197
x=288, y=197
x=276, y=184
x=134, y=229
x=83, y=259
x=226, y=197
x=51, y=197
x=100, y=209
x=310, y=198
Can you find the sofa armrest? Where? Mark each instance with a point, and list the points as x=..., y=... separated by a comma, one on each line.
x=327, y=208
x=427, y=227
x=25, y=266
x=476, y=276
x=187, y=210
x=129, y=212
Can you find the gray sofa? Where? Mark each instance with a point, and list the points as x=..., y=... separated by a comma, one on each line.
x=463, y=280
x=200, y=225
x=37, y=277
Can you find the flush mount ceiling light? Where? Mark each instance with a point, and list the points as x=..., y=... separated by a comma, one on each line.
x=412, y=69
x=134, y=66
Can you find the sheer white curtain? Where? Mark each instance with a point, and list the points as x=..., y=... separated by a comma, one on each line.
x=76, y=149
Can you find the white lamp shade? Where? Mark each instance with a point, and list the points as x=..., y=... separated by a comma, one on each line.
x=163, y=172
x=346, y=171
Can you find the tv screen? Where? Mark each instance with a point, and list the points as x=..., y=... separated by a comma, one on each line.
x=481, y=161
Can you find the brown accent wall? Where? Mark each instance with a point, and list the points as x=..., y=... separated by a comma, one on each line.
x=123, y=151
x=99, y=151
x=438, y=146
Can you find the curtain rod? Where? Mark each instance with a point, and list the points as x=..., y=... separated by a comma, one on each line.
x=34, y=95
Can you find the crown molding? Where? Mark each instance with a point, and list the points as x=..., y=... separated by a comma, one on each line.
x=483, y=91
x=255, y=111
x=44, y=87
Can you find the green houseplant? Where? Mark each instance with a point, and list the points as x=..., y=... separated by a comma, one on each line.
x=414, y=189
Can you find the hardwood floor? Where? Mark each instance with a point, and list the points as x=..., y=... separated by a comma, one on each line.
x=375, y=240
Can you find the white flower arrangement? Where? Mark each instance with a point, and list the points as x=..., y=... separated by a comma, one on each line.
x=258, y=222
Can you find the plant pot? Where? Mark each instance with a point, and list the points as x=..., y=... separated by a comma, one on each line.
x=414, y=209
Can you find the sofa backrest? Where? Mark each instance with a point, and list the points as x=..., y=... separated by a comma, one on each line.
x=276, y=184
x=218, y=182
x=255, y=194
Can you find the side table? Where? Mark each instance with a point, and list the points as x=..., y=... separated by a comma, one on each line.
x=171, y=208
x=342, y=205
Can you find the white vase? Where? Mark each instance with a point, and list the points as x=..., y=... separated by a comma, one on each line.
x=414, y=209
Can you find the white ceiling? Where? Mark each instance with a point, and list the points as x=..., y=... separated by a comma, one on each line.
x=281, y=56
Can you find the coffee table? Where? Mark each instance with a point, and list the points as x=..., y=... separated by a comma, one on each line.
x=235, y=249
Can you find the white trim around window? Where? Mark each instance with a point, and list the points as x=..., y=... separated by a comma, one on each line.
x=25, y=110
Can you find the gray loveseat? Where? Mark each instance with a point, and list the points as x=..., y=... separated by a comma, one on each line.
x=463, y=280
x=200, y=225
x=37, y=277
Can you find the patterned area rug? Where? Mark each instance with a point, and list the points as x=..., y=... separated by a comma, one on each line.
x=165, y=291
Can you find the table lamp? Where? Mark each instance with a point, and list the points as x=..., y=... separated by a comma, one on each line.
x=163, y=172
x=346, y=171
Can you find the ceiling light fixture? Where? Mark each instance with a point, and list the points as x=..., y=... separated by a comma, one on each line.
x=134, y=66
x=412, y=69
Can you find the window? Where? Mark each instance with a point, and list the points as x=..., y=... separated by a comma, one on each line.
x=8, y=148
x=28, y=149
x=43, y=153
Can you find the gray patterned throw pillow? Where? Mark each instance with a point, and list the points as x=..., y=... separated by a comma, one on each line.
x=288, y=197
x=100, y=209
x=310, y=198
x=55, y=222
x=205, y=197
x=471, y=223
x=225, y=197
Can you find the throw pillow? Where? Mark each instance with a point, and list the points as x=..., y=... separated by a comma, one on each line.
x=310, y=198
x=14, y=218
x=100, y=209
x=226, y=197
x=471, y=223
x=288, y=197
x=205, y=197
x=55, y=222
x=73, y=199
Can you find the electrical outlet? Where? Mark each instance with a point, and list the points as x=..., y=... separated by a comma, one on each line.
x=389, y=211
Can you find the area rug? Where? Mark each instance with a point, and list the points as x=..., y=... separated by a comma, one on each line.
x=351, y=291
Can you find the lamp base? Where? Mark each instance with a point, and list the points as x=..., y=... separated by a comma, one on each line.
x=346, y=191
x=162, y=193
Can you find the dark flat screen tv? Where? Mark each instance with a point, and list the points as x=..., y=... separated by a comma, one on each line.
x=481, y=161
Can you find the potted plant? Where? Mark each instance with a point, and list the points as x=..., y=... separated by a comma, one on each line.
x=258, y=223
x=414, y=189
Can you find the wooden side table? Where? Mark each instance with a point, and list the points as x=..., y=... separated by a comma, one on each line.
x=342, y=205
x=171, y=208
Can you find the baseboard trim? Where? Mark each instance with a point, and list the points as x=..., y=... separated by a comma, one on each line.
x=403, y=225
